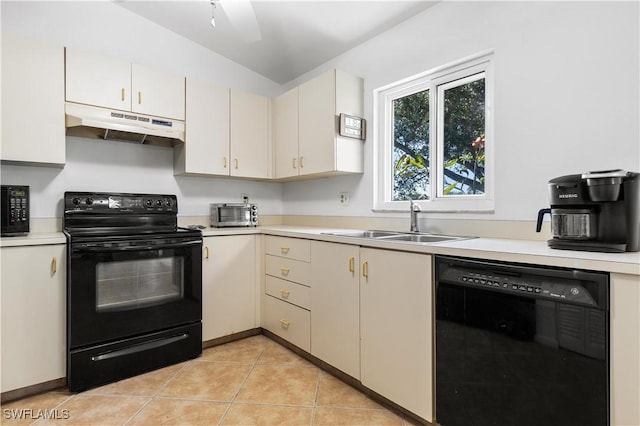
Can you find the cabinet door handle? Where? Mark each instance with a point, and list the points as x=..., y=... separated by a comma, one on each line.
x=285, y=293
x=301, y=162
x=294, y=163
x=365, y=269
x=236, y=163
x=284, y=250
x=352, y=265
x=139, y=98
x=54, y=265
x=206, y=251
x=224, y=162
x=284, y=271
x=122, y=94
x=284, y=323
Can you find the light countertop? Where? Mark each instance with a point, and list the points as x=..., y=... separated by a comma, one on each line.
x=523, y=251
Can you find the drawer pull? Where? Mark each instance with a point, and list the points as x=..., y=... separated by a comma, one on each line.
x=285, y=271
x=285, y=293
x=284, y=250
x=352, y=265
x=284, y=324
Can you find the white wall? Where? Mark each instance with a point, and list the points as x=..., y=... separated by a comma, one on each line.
x=566, y=94
x=92, y=165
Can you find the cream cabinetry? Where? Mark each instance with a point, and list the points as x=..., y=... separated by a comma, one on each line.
x=285, y=134
x=32, y=101
x=396, y=327
x=98, y=80
x=33, y=315
x=206, y=149
x=287, y=293
x=625, y=349
x=229, y=285
x=250, y=151
x=307, y=142
x=335, y=298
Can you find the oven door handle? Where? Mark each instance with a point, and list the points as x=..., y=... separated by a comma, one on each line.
x=102, y=249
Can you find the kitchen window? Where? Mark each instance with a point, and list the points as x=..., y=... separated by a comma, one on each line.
x=434, y=139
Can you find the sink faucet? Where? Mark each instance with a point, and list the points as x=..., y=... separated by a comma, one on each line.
x=413, y=210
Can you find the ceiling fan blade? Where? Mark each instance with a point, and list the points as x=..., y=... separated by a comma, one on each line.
x=242, y=16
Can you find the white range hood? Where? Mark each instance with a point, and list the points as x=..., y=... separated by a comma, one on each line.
x=94, y=122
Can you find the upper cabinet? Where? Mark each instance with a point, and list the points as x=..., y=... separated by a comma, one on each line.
x=206, y=151
x=250, y=150
x=227, y=133
x=32, y=102
x=310, y=120
x=102, y=81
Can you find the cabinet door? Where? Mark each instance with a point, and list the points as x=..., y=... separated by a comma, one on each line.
x=229, y=285
x=318, y=124
x=32, y=101
x=250, y=142
x=98, y=80
x=158, y=93
x=206, y=150
x=335, y=297
x=396, y=327
x=33, y=315
x=285, y=134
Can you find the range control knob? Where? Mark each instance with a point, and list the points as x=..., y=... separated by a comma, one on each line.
x=158, y=203
x=148, y=203
x=168, y=202
x=76, y=201
x=89, y=201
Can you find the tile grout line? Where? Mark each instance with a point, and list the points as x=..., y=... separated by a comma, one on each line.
x=153, y=397
x=235, y=395
x=315, y=400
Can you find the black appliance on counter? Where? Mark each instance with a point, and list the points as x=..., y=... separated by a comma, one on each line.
x=595, y=211
x=520, y=345
x=134, y=286
x=15, y=210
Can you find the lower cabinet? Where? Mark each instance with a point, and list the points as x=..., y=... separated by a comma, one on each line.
x=371, y=317
x=33, y=315
x=335, y=301
x=396, y=327
x=229, y=285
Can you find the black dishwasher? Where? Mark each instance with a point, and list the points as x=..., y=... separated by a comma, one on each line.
x=520, y=345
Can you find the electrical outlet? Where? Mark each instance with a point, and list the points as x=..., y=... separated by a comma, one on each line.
x=245, y=198
x=344, y=199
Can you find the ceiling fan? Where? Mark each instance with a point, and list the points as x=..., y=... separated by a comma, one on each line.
x=241, y=15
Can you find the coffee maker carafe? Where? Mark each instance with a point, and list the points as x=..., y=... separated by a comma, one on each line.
x=594, y=211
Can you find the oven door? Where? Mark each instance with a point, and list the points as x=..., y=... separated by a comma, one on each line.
x=119, y=288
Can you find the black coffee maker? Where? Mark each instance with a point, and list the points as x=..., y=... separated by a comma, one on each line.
x=595, y=211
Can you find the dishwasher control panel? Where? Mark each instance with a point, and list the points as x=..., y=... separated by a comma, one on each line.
x=559, y=285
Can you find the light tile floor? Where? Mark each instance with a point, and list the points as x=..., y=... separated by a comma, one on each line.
x=253, y=381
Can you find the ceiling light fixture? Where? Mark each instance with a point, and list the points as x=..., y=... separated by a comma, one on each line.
x=213, y=9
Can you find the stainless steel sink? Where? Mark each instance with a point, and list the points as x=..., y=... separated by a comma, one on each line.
x=364, y=234
x=423, y=238
x=397, y=236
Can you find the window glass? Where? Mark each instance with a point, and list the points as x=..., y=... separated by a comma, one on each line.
x=411, y=147
x=463, y=137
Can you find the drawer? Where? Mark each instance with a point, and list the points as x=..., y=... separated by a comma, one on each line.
x=288, y=321
x=292, y=248
x=288, y=291
x=288, y=269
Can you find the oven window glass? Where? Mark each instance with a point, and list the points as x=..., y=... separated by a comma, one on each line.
x=133, y=284
x=234, y=214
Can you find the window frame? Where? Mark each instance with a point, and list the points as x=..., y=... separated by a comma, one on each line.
x=432, y=80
